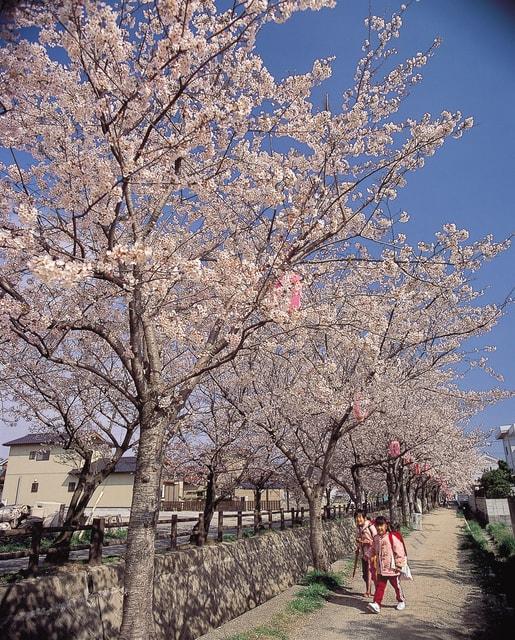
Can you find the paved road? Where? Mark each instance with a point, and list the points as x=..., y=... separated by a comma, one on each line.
x=439, y=600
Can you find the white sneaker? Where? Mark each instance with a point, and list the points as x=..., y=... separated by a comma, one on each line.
x=401, y=606
x=373, y=606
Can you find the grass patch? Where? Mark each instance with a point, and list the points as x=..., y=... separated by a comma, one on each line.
x=494, y=574
x=24, y=545
x=330, y=579
x=503, y=538
x=229, y=537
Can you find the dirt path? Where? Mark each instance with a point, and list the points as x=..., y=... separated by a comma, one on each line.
x=439, y=600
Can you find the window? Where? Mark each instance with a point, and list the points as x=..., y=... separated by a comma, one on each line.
x=42, y=454
x=71, y=487
x=34, y=487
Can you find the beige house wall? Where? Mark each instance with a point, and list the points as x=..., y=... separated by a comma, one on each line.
x=53, y=476
x=115, y=491
x=172, y=491
x=266, y=494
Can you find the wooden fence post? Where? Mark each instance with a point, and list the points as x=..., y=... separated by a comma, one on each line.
x=256, y=521
x=220, y=526
x=292, y=518
x=60, y=517
x=37, y=530
x=270, y=519
x=301, y=516
x=200, y=532
x=339, y=511
x=239, y=526
x=97, y=540
x=283, y=526
x=173, y=532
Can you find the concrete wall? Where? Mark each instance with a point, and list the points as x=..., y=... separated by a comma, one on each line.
x=195, y=589
x=491, y=509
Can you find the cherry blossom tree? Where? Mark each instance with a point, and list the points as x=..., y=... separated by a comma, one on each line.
x=151, y=212
x=95, y=425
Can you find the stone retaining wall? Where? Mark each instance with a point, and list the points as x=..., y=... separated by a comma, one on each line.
x=195, y=589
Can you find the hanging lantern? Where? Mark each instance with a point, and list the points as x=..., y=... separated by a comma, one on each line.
x=294, y=285
x=417, y=469
x=394, y=449
x=296, y=292
x=407, y=459
x=357, y=408
x=426, y=467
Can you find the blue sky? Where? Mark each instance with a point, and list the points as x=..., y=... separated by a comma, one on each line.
x=469, y=182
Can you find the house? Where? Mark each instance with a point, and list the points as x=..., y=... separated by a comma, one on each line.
x=41, y=470
x=271, y=494
x=507, y=435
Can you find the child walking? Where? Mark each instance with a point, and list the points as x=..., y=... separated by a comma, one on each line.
x=364, y=539
x=388, y=556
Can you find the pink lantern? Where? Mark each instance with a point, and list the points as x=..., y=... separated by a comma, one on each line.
x=426, y=467
x=417, y=469
x=295, y=290
x=359, y=413
x=394, y=449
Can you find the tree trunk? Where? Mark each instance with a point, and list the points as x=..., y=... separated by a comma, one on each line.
x=137, y=622
x=393, y=495
x=210, y=505
x=60, y=551
x=316, y=537
x=404, y=500
x=358, y=489
x=87, y=483
x=257, y=499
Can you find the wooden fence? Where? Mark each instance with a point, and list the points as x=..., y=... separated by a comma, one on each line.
x=261, y=520
x=198, y=505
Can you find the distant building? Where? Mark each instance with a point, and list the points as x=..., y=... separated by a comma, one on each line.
x=489, y=463
x=507, y=435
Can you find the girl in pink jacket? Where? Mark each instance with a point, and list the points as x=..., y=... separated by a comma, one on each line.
x=389, y=557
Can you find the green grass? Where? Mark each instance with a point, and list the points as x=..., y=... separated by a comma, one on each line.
x=24, y=545
x=476, y=536
x=229, y=537
x=503, y=538
x=330, y=579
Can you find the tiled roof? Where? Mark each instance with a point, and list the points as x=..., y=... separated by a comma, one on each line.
x=34, y=438
x=127, y=464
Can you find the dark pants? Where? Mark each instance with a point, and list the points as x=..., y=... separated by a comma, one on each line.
x=365, y=570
